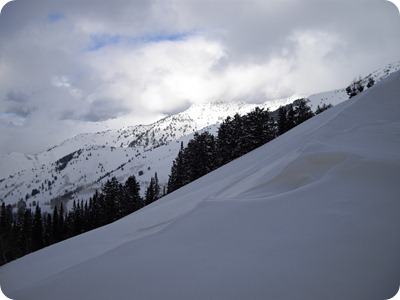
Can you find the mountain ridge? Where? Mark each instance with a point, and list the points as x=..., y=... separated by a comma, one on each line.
x=132, y=150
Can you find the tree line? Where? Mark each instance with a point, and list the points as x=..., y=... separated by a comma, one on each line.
x=356, y=86
x=26, y=230
x=29, y=230
x=236, y=136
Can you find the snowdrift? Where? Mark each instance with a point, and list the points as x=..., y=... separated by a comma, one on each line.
x=314, y=214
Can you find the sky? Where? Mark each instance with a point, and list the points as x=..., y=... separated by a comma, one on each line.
x=68, y=67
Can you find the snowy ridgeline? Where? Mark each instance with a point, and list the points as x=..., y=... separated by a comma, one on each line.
x=314, y=214
x=74, y=169
x=141, y=150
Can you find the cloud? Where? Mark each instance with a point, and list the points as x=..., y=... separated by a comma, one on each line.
x=16, y=96
x=90, y=63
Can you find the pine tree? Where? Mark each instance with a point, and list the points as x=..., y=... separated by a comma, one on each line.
x=3, y=234
x=76, y=218
x=224, y=142
x=3, y=217
x=132, y=199
x=302, y=111
x=371, y=82
x=111, y=204
x=290, y=118
x=157, y=193
x=61, y=220
x=230, y=142
x=94, y=210
x=177, y=177
x=6, y=234
x=56, y=233
x=150, y=192
x=192, y=162
x=322, y=108
x=47, y=235
x=355, y=87
x=37, y=230
x=282, y=120
x=25, y=241
x=85, y=216
x=200, y=156
x=237, y=137
x=259, y=128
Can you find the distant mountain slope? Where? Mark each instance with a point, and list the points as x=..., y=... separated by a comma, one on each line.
x=89, y=159
x=314, y=214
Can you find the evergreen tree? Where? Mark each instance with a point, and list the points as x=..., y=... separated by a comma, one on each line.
x=177, y=177
x=371, y=82
x=56, y=232
x=25, y=241
x=7, y=236
x=3, y=217
x=111, y=204
x=94, y=211
x=85, y=216
x=322, y=108
x=157, y=189
x=231, y=142
x=302, y=111
x=153, y=190
x=225, y=142
x=37, y=230
x=119, y=205
x=282, y=120
x=61, y=220
x=150, y=193
x=192, y=162
x=3, y=233
x=47, y=235
x=355, y=87
x=200, y=156
x=290, y=117
x=132, y=199
x=259, y=128
x=237, y=140
x=76, y=217
x=21, y=207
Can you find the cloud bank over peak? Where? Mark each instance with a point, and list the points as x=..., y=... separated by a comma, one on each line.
x=68, y=66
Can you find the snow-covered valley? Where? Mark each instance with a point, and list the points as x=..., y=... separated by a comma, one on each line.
x=314, y=214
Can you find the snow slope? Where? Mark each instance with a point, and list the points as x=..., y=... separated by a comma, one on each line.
x=314, y=214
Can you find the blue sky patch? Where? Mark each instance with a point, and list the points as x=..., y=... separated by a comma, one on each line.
x=54, y=17
x=99, y=41
x=13, y=119
x=161, y=37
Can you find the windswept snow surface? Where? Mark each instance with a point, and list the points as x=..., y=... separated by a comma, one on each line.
x=314, y=214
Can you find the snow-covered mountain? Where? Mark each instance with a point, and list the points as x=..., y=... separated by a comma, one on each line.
x=78, y=166
x=314, y=214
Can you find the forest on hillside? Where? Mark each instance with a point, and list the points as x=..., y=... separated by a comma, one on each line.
x=28, y=230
